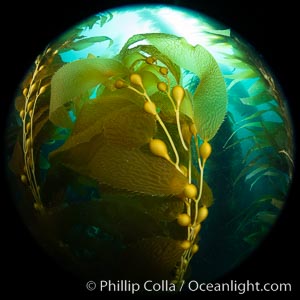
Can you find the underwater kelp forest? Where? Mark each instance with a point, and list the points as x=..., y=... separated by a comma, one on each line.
x=149, y=153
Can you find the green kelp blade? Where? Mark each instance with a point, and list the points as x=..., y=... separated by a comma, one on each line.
x=277, y=203
x=162, y=209
x=76, y=78
x=86, y=42
x=164, y=105
x=151, y=50
x=130, y=127
x=210, y=98
x=258, y=99
x=116, y=118
x=150, y=81
x=186, y=106
x=207, y=197
x=120, y=168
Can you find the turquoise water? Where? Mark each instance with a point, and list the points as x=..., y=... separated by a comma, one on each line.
x=76, y=216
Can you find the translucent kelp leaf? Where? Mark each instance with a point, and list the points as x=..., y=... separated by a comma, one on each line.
x=130, y=60
x=267, y=174
x=40, y=111
x=242, y=75
x=130, y=170
x=261, y=168
x=87, y=42
x=255, y=115
x=40, y=120
x=98, y=109
x=91, y=22
x=219, y=32
x=19, y=103
x=157, y=255
x=150, y=81
x=277, y=203
x=258, y=99
x=162, y=209
x=207, y=197
x=186, y=106
x=164, y=105
x=130, y=127
x=173, y=67
x=272, y=134
x=119, y=120
x=152, y=51
x=210, y=98
x=76, y=78
x=246, y=126
x=251, y=170
x=257, y=87
x=48, y=68
x=266, y=217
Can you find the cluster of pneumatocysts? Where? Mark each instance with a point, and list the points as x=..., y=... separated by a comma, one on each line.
x=195, y=212
x=36, y=87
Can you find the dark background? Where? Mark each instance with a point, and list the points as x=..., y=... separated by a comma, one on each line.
x=25, y=31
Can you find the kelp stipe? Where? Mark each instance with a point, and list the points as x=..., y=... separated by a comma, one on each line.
x=125, y=142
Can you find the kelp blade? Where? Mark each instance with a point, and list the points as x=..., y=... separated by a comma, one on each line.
x=210, y=98
x=76, y=78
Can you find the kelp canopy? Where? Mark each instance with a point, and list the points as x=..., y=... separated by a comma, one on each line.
x=116, y=157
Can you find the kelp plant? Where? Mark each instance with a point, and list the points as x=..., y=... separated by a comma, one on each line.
x=128, y=129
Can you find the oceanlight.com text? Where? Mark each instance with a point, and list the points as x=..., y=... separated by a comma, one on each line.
x=191, y=286
x=239, y=287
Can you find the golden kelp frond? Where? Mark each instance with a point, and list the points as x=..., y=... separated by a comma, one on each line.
x=164, y=105
x=124, y=93
x=129, y=127
x=78, y=156
x=157, y=255
x=135, y=59
x=207, y=197
x=187, y=107
x=162, y=209
x=172, y=128
x=76, y=78
x=93, y=113
x=150, y=81
x=151, y=50
x=35, y=99
x=130, y=170
x=49, y=66
x=154, y=52
x=81, y=44
x=19, y=102
x=126, y=126
x=210, y=98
